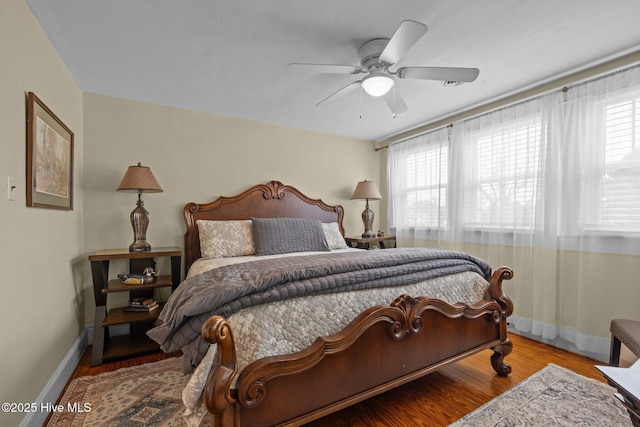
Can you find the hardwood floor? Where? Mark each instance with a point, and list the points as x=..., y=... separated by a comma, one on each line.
x=437, y=399
x=442, y=397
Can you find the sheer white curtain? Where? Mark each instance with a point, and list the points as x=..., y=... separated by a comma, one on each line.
x=599, y=227
x=507, y=202
x=600, y=151
x=419, y=190
x=550, y=187
x=503, y=163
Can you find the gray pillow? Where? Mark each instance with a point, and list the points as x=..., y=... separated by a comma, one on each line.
x=285, y=235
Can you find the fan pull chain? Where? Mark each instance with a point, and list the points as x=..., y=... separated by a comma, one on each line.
x=393, y=113
x=361, y=115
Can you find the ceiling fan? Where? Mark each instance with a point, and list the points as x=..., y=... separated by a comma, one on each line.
x=378, y=56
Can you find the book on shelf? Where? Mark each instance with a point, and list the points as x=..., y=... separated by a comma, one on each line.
x=142, y=308
x=136, y=279
x=141, y=301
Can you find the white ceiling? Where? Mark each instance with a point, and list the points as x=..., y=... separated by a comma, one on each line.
x=230, y=57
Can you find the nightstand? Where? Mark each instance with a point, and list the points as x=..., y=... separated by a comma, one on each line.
x=365, y=242
x=136, y=342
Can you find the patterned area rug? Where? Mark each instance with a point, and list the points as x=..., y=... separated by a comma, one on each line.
x=554, y=396
x=144, y=395
x=150, y=395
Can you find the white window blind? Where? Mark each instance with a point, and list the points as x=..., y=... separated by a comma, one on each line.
x=420, y=182
x=614, y=203
x=501, y=192
x=427, y=174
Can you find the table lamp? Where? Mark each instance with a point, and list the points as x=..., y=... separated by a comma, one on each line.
x=139, y=178
x=366, y=190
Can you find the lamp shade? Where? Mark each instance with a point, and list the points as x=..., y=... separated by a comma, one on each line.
x=366, y=190
x=139, y=178
x=377, y=84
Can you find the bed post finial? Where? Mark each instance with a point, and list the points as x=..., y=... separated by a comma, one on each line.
x=218, y=399
x=495, y=289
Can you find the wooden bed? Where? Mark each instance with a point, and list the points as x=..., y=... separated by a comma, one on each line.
x=384, y=347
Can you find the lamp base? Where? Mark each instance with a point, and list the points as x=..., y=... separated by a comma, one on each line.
x=139, y=221
x=140, y=246
x=367, y=220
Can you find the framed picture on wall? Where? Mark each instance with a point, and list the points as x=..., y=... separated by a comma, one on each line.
x=49, y=158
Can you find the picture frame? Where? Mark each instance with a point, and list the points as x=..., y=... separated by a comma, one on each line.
x=49, y=158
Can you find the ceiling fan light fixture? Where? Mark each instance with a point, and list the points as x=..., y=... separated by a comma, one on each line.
x=377, y=84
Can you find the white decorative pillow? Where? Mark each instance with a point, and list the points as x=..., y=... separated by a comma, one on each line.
x=334, y=236
x=220, y=239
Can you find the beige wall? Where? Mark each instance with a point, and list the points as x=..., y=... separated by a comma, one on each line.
x=42, y=292
x=197, y=157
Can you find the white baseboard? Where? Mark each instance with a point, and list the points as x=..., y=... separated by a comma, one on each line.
x=59, y=379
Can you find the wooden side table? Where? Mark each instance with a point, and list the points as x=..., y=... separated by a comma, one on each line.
x=104, y=346
x=365, y=242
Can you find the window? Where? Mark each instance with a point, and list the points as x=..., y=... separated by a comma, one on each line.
x=420, y=182
x=614, y=205
x=558, y=170
x=501, y=189
x=427, y=187
x=490, y=176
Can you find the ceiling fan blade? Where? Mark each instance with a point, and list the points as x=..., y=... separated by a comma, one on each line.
x=340, y=93
x=450, y=74
x=325, y=68
x=395, y=102
x=407, y=34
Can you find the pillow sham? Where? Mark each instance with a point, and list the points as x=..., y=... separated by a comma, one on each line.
x=221, y=239
x=285, y=235
x=333, y=235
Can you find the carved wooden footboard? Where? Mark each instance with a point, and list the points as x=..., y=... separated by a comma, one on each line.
x=384, y=347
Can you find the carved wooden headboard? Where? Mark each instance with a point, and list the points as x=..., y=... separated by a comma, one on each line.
x=270, y=200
